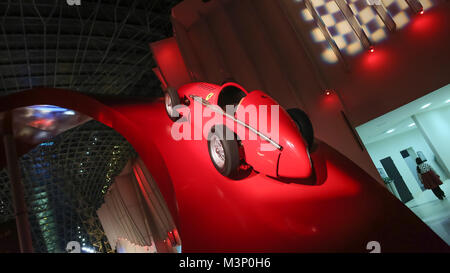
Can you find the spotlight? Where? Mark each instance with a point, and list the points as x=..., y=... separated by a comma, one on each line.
x=327, y=92
x=371, y=49
x=425, y=106
x=421, y=11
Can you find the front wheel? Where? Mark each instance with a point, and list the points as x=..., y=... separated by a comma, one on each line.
x=223, y=150
x=304, y=125
x=171, y=99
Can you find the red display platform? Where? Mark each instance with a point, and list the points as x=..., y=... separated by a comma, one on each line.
x=341, y=209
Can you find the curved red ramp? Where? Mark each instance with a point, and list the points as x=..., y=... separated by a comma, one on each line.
x=341, y=210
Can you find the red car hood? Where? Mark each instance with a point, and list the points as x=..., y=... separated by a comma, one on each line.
x=274, y=122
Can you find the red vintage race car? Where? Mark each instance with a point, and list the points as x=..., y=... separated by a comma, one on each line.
x=279, y=149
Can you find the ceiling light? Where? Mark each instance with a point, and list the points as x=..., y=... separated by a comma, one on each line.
x=327, y=92
x=412, y=124
x=447, y=101
x=69, y=113
x=390, y=131
x=88, y=249
x=425, y=106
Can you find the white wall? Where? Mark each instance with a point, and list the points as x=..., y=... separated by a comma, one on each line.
x=435, y=126
x=393, y=145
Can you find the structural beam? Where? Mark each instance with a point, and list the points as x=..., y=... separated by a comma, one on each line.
x=348, y=14
x=415, y=5
x=17, y=189
x=385, y=17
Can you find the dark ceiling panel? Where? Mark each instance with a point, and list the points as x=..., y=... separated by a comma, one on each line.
x=100, y=47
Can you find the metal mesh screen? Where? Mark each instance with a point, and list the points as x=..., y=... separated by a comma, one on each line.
x=65, y=180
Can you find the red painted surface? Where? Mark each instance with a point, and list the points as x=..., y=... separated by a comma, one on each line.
x=341, y=209
x=160, y=77
x=293, y=160
x=168, y=57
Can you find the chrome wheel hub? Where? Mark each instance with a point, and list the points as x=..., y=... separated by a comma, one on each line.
x=168, y=102
x=217, y=152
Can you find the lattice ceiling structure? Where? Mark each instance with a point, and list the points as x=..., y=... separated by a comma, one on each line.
x=65, y=180
x=99, y=48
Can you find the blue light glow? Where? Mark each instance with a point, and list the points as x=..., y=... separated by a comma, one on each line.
x=47, y=143
x=48, y=108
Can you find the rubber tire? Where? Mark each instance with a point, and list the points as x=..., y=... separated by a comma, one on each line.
x=304, y=124
x=173, y=94
x=231, y=150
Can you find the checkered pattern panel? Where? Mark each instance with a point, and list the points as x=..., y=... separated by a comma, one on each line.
x=341, y=31
x=399, y=11
x=369, y=20
x=318, y=37
x=338, y=27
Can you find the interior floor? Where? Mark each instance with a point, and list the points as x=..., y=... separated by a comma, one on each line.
x=434, y=212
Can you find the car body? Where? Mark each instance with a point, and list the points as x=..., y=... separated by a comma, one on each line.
x=280, y=150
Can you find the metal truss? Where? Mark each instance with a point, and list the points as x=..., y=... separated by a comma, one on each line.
x=100, y=47
x=65, y=180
